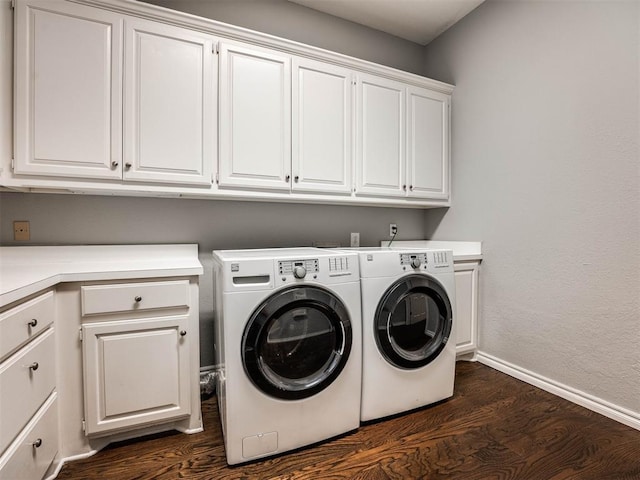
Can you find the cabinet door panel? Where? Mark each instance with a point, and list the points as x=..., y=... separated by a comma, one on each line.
x=169, y=104
x=321, y=119
x=466, y=277
x=68, y=91
x=428, y=144
x=381, y=137
x=255, y=118
x=136, y=372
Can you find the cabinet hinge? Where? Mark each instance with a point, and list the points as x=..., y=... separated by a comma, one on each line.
x=215, y=48
x=80, y=333
x=13, y=4
x=13, y=164
x=84, y=426
x=217, y=178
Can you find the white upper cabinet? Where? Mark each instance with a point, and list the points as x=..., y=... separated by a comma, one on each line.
x=402, y=139
x=427, y=143
x=322, y=127
x=380, y=166
x=126, y=97
x=170, y=104
x=255, y=118
x=68, y=95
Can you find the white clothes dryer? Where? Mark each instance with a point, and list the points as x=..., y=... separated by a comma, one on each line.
x=288, y=347
x=409, y=356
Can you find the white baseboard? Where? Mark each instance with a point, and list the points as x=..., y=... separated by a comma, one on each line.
x=598, y=405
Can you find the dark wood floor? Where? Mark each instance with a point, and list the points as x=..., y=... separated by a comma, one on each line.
x=494, y=427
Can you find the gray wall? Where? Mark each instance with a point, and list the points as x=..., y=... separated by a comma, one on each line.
x=296, y=22
x=74, y=219
x=546, y=173
x=62, y=219
x=67, y=219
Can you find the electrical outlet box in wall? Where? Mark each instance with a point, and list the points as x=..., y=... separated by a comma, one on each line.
x=355, y=239
x=21, y=231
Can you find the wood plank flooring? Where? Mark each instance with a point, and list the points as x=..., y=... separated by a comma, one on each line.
x=494, y=428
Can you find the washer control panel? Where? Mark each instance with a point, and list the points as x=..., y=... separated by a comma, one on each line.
x=298, y=268
x=413, y=260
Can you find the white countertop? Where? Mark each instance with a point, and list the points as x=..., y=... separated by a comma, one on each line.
x=27, y=270
x=461, y=250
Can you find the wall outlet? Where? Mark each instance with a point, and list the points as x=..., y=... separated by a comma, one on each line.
x=21, y=231
x=355, y=239
x=393, y=229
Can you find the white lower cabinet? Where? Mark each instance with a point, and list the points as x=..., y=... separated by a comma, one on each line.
x=28, y=407
x=136, y=354
x=135, y=373
x=466, y=277
x=30, y=455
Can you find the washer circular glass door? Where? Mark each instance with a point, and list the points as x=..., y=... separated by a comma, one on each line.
x=413, y=321
x=297, y=342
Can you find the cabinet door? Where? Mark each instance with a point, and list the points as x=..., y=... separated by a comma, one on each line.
x=68, y=90
x=427, y=144
x=321, y=127
x=466, y=321
x=380, y=164
x=135, y=372
x=255, y=118
x=170, y=95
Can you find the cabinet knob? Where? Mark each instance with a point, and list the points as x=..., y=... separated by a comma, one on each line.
x=128, y=165
x=114, y=164
x=37, y=443
x=404, y=187
x=183, y=333
x=411, y=187
x=296, y=178
x=33, y=322
x=286, y=179
x=138, y=299
x=34, y=366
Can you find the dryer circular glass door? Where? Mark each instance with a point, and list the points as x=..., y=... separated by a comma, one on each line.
x=297, y=342
x=413, y=321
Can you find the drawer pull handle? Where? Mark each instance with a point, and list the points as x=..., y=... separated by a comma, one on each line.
x=33, y=322
x=183, y=333
x=37, y=443
x=34, y=366
x=138, y=299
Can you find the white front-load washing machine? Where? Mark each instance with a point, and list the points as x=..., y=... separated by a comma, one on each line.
x=408, y=297
x=288, y=347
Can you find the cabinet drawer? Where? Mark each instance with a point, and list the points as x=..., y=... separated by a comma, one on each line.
x=25, y=460
x=22, y=323
x=126, y=297
x=26, y=380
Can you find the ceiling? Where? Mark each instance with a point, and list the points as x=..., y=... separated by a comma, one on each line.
x=418, y=21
